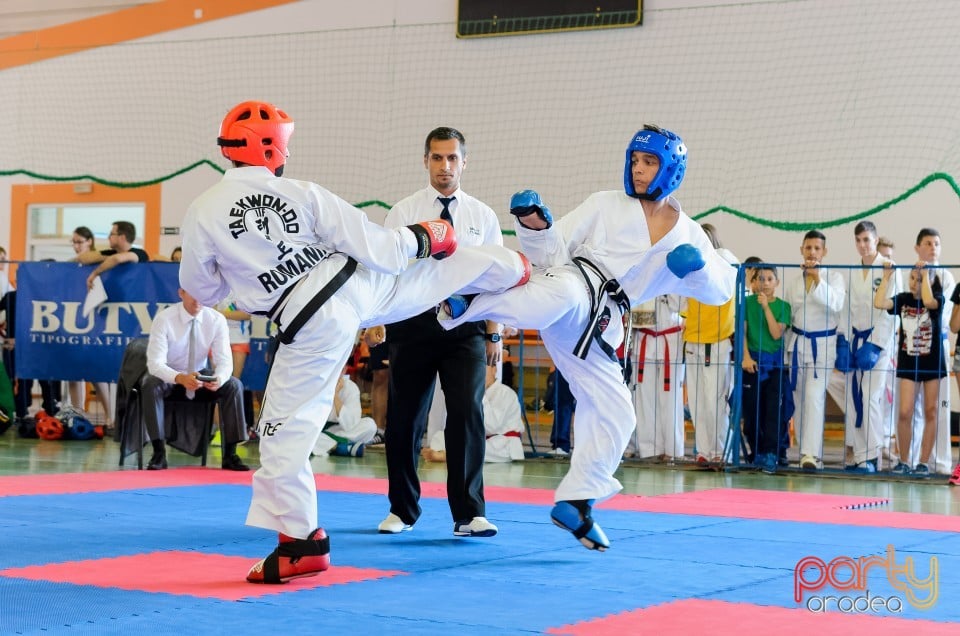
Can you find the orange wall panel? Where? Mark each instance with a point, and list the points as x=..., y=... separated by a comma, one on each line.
x=23, y=196
x=120, y=26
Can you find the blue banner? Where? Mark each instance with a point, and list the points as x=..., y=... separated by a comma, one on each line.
x=55, y=341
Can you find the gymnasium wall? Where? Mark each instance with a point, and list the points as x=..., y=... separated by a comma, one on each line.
x=798, y=114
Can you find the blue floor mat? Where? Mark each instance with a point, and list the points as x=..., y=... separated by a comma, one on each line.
x=530, y=577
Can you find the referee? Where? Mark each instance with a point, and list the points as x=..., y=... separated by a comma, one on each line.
x=420, y=351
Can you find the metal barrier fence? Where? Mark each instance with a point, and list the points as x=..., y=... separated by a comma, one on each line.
x=680, y=347
x=688, y=379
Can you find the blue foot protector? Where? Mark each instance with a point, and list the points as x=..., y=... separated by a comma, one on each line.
x=574, y=517
x=457, y=305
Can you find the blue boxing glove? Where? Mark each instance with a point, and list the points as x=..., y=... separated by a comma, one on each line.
x=842, y=363
x=867, y=356
x=684, y=259
x=527, y=202
x=456, y=305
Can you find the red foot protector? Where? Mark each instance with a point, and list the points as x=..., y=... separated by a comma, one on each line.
x=189, y=573
x=293, y=559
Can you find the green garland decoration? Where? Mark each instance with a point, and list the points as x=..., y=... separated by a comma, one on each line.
x=802, y=227
x=113, y=184
x=789, y=226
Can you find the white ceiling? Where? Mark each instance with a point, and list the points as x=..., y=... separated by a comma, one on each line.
x=21, y=16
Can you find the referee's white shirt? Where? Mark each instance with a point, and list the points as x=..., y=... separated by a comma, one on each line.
x=474, y=221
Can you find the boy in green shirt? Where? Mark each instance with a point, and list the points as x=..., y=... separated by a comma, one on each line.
x=765, y=386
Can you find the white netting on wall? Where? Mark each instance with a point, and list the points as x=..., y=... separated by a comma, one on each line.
x=794, y=112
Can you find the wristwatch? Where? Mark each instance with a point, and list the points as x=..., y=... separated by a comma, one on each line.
x=492, y=337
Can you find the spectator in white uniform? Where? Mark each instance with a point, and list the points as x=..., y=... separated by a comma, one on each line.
x=816, y=299
x=656, y=357
x=502, y=421
x=871, y=333
x=347, y=430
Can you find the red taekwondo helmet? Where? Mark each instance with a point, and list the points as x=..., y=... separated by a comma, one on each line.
x=256, y=133
x=48, y=427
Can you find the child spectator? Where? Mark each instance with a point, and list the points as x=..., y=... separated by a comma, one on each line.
x=378, y=365
x=346, y=430
x=238, y=328
x=872, y=336
x=750, y=274
x=750, y=284
x=955, y=328
x=920, y=364
x=560, y=400
x=708, y=356
x=766, y=320
x=885, y=248
x=941, y=280
x=656, y=358
x=816, y=299
x=502, y=421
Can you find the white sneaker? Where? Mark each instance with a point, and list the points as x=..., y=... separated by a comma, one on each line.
x=809, y=462
x=478, y=527
x=393, y=525
x=558, y=452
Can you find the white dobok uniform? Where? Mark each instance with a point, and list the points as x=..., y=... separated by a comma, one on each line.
x=349, y=423
x=609, y=230
x=502, y=422
x=656, y=356
x=812, y=352
x=864, y=400
x=276, y=243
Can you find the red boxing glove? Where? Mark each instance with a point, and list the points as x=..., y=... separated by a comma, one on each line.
x=434, y=238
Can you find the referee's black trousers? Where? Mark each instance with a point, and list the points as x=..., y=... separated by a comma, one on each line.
x=414, y=367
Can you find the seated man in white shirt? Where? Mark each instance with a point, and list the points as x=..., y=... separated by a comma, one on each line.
x=346, y=430
x=181, y=338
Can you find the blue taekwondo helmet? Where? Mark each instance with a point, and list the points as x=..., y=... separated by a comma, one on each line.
x=669, y=148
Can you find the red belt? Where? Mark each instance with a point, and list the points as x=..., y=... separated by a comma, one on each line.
x=666, y=352
x=507, y=434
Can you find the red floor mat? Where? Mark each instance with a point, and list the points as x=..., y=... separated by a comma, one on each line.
x=714, y=617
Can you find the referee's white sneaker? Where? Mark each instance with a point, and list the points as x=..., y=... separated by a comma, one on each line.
x=476, y=527
x=393, y=525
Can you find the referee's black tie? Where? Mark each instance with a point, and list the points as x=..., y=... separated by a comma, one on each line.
x=445, y=215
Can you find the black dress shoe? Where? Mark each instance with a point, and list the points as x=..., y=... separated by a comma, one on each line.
x=157, y=462
x=233, y=462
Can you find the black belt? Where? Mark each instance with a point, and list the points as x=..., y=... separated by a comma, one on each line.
x=288, y=333
x=608, y=287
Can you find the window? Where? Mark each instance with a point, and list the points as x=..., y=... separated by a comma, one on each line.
x=51, y=226
x=43, y=216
